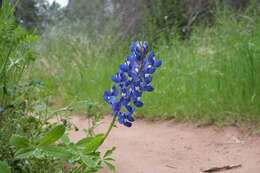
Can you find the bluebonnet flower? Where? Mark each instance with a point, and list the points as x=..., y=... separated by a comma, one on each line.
x=132, y=79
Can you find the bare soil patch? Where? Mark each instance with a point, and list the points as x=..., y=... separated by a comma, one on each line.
x=170, y=147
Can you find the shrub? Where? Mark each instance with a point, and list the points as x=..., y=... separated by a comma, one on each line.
x=28, y=142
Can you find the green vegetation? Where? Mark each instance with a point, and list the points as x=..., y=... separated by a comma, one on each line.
x=29, y=143
x=213, y=76
x=210, y=73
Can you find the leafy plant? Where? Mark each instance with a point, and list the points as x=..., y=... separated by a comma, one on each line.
x=81, y=156
x=4, y=168
x=15, y=56
x=28, y=142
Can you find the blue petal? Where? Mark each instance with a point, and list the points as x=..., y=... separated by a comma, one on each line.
x=114, y=91
x=115, y=78
x=138, y=57
x=117, y=113
x=127, y=82
x=122, y=77
x=112, y=100
x=148, y=79
x=107, y=96
x=132, y=74
x=129, y=117
x=138, y=103
x=137, y=94
x=148, y=88
x=137, y=83
x=151, y=58
x=133, y=47
x=150, y=70
x=121, y=119
x=130, y=59
x=124, y=67
x=116, y=106
x=125, y=100
x=127, y=124
x=123, y=90
x=158, y=63
x=145, y=46
x=121, y=85
x=129, y=108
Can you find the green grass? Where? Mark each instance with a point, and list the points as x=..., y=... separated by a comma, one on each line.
x=215, y=76
x=78, y=70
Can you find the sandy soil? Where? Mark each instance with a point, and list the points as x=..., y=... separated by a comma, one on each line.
x=170, y=147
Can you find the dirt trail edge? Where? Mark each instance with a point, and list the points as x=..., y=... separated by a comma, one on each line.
x=170, y=147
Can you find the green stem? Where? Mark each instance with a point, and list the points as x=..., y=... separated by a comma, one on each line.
x=109, y=128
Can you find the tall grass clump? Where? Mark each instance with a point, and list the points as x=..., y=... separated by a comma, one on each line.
x=76, y=64
x=214, y=76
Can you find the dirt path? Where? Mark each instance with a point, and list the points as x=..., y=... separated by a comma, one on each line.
x=169, y=147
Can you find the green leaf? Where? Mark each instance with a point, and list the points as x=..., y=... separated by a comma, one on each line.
x=19, y=141
x=65, y=139
x=93, y=144
x=52, y=136
x=90, y=161
x=109, y=152
x=109, y=159
x=56, y=151
x=4, y=168
x=110, y=166
x=25, y=153
x=84, y=141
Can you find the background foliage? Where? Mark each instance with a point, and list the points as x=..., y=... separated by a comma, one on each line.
x=212, y=75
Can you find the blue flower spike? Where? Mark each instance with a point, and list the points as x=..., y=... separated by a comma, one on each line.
x=132, y=79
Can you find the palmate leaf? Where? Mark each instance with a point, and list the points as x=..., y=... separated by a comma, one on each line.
x=107, y=159
x=25, y=153
x=58, y=152
x=91, y=144
x=19, y=141
x=65, y=139
x=108, y=153
x=84, y=141
x=110, y=166
x=4, y=168
x=91, y=161
x=52, y=136
x=94, y=143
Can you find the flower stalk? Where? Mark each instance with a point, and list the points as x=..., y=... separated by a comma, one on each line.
x=112, y=124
